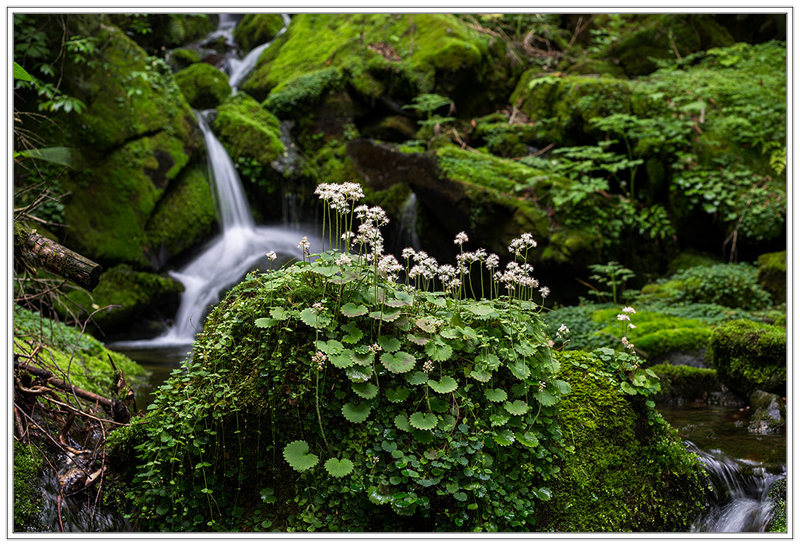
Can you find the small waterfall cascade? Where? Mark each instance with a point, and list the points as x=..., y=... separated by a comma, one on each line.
x=239, y=68
x=408, y=222
x=740, y=500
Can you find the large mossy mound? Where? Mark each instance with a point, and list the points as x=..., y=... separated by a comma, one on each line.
x=203, y=85
x=749, y=356
x=248, y=131
x=343, y=402
x=681, y=384
x=772, y=274
x=257, y=28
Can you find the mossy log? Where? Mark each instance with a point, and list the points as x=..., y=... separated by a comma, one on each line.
x=39, y=251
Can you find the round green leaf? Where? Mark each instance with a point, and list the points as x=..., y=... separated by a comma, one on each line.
x=481, y=374
x=401, y=422
x=499, y=419
x=504, y=438
x=354, y=333
x=266, y=322
x=384, y=316
x=298, y=457
x=338, y=468
x=417, y=378
x=314, y=318
x=528, y=439
x=389, y=344
x=363, y=359
x=397, y=395
x=421, y=421
x=418, y=340
x=444, y=385
x=359, y=374
x=343, y=360
x=350, y=309
x=545, y=398
x=365, y=390
x=279, y=313
x=399, y=362
x=356, y=414
x=518, y=407
x=519, y=369
x=438, y=351
x=496, y=395
x=423, y=436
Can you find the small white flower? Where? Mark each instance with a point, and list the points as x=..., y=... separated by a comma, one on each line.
x=551, y=343
x=408, y=253
x=629, y=310
x=304, y=245
x=375, y=348
x=623, y=317
x=272, y=256
x=542, y=386
x=427, y=367
x=631, y=326
x=492, y=261
x=343, y=260
x=544, y=291
x=562, y=331
x=461, y=238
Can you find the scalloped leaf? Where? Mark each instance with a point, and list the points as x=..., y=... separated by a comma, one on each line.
x=365, y=390
x=490, y=361
x=359, y=374
x=384, y=316
x=517, y=407
x=519, y=369
x=365, y=359
x=356, y=414
x=450, y=333
x=545, y=398
x=350, y=309
x=389, y=344
x=496, y=395
x=266, y=322
x=314, y=318
x=438, y=351
x=397, y=395
x=444, y=385
x=401, y=422
x=339, y=468
x=330, y=347
x=423, y=436
x=343, y=360
x=481, y=374
x=298, y=457
x=504, y=438
x=426, y=325
x=418, y=340
x=482, y=310
x=423, y=421
x=438, y=405
x=500, y=418
x=564, y=387
x=399, y=362
x=279, y=313
x=528, y=439
x=417, y=378
x=397, y=303
x=354, y=333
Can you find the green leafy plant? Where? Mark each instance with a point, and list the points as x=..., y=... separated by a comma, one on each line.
x=612, y=275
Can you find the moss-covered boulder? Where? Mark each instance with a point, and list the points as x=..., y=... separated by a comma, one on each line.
x=257, y=28
x=123, y=295
x=609, y=441
x=681, y=384
x=772, y=275
x=183, y=218
x=750, y=356
x=183, y=57
x=767, y=413
x=203, y=85
x=28, y=499
x=247, y=130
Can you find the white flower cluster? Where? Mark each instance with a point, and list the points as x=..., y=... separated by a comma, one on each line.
x=343, y=259
x=388, y=267
x=626, y=318
x=319, y=359
x=427, y=367
x=271, y=255
x=369, y=233
x=461, y=238
x=563, y=331
x=318, y=307
x=304, y=245
x=337, y=196
x=517, y=275
x=523, y=243
x=425, y=266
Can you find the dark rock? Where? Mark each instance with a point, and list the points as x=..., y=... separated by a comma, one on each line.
x=768, y=413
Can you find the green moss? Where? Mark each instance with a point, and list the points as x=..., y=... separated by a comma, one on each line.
x=615, y=478
x=183, y=57
x=28, y=464
x=777, y=494
x=247, y=130
x=203, y=85
x=82, y=357
x=257, y=28
x=303, y=91
x=772, y=275
x=484, y=169
x=750, y=356
x=685, y=383
x=184, y=216
x=690, y=258
x=131, y=293
x=504, y=139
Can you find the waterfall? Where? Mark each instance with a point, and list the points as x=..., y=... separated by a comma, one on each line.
x=740, y=499
x=408, y=222
x=238, y=69
x=240, y=247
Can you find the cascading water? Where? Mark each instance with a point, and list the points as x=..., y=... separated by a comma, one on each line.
x=740, y=502
x=238, y=69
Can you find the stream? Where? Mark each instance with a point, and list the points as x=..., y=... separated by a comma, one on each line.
x=742, y=465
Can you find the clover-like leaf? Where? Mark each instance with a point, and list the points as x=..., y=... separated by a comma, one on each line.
x=401, y=422
x=314, y=318
x=268, y=495
x=298, y=457
x=423, y=421
x=496, y=395
x=389, y=344
x=354, y=333
x=339, y=468
x=504, y=438
x=399, y=362
x=266, y=322
x=356, y=414
x=350, y=309
x=518, y=407
x=365, y=390
x=397, y=395
x=279, y=313
x=444, y=385
x=528, y=439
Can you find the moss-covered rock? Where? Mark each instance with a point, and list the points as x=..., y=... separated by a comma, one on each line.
x=504, y=139
x=247, y=130
x=28, y=502
x=772, y=275
x=681, y=384
x=688, y=259
x=257, y=28
x=127, y=294
x=183, y=57
x=749, y=356
x=609, y=442
x=777, y=494
x=183, y=218
x=76, y=353
x=768, y=413
x=203, y=85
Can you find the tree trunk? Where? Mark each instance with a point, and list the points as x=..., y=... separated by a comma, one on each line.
x=40, y=251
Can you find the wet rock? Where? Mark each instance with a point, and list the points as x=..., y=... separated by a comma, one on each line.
x=768, y=413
